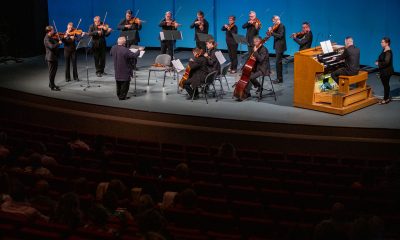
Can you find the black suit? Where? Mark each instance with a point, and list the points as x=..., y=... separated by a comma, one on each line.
x=167, y=45
x=232, y=45
x=385, y=65
x=137, y=27
x=351, y=56
x=198, y=72
x=70, y=56
x=99, y=46
x=280, y=47
x=251, y=32
x=262, y=67
x=123, y=68
x=200, y=44
x=212, y=61
x=305, y=42
x=51, y=58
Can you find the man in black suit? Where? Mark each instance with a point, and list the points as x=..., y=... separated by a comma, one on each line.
x=98, y=31
x=262, y=67
x=126, y=25
x=198, y=71
x=279, y=35
x=304, y=38
x=51, y=46
x=231, y=43
x=351, y=56
x=168, y=24
x=253, y=26
x=200, y=24
x=70, y=54
x=123, y=67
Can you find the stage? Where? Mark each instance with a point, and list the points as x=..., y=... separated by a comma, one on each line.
x=31, y=77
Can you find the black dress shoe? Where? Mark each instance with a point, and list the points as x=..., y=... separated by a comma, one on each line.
x=277, y=81
x=77, y=79
x=99, y=75
x=258, y=90
x=104, y=73
x=125, y=98
x=55, y=88
x=68, y=80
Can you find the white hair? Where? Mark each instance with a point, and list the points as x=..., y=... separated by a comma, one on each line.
x=121, y=41
x=253, y=12
x=277, y=17
x=97, y=17
x=168, y=12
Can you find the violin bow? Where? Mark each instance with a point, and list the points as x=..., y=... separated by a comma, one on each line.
x=55, y=27
x=104, y=19
x=79, y=23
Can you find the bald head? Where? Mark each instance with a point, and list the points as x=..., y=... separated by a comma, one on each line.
x=121, y=41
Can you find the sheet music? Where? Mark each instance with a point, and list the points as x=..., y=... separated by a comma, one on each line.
x=162, y=37
x=134, y=50
x=178, y=65
x=220, y=57
x=326, y=46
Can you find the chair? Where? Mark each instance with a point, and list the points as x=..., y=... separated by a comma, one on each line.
x=261, y=95
x=208, y=81
x=164, y=60
x=223, y=73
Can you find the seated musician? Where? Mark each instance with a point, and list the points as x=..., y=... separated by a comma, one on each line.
x=351, y=56
x=303, y=38
x=198, y=72
x=212, y=60
x=261, y=67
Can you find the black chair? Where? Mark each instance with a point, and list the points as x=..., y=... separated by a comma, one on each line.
x=219, y=77
x=208, y=81
x=272, y=90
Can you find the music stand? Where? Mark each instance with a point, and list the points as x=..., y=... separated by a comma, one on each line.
x=171, y=35
x=130, y=35
x=85, y=42
x=136, y=91
x=241, y=40
x=203, y=37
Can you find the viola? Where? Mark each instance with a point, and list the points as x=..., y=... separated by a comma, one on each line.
x=103, y=27
x=58, y=35
x=173, y=23
x=256, y=22
x=230, y=26
x=75, y=31
x=298, y=35
x=135, y=20
x=240, y=91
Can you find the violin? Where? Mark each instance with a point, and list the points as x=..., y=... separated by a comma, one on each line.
x=135, y=20
x=173, y=23
x=256, y=22
x=230, y=26
x=298, y=35
x=75, y=31
x=58, y=35
x=103, y=27
x=273, y=29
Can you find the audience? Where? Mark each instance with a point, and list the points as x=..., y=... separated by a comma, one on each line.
x=68, y=211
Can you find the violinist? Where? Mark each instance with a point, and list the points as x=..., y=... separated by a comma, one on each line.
x=200, y=24
x=198, y=72
x=303, y=38
x=253, y=26
x=99, y=31
x=230, y=29
x=278, y=31
x=130, y=23
x=212, y=61
x=168, y=24
x=69, y=41
x=51, y=43
x=262, y=66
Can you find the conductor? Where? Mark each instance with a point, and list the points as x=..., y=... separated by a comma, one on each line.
x=123, y=67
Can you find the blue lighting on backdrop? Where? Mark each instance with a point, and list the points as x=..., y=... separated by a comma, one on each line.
x=367, y=21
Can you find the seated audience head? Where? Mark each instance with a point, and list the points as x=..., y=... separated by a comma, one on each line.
x=68, y=210
x=187, y=198
x=227, y=150
x=182, y=171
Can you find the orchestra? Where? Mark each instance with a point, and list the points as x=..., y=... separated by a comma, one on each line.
x=205, y=59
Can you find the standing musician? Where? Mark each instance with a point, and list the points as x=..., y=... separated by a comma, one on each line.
x=200, y=24
x=198, y=71
x=131, y=23
x=122, y=57
x=278, y=31
x=99, y=31
x=262, y=67
x=212, y=61
x=168, y=24
x=253, y=26
x=69, y=41
x=351, y=56
x=51, y=43
x=230, y=29
x=303, y=38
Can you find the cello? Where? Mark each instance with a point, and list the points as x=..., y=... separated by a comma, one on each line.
x=241, y=86
x=186, y=75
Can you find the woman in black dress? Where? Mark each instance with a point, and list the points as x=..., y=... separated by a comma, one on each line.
x=385, y=65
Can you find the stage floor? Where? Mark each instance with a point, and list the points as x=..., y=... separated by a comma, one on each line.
x=31, y=76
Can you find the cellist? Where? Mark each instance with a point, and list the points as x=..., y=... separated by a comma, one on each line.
x=198, y=72
x=261, y=67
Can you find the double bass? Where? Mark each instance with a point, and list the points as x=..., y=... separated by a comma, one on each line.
x=240, y=91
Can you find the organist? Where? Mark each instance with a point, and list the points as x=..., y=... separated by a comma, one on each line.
x=351, y=57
